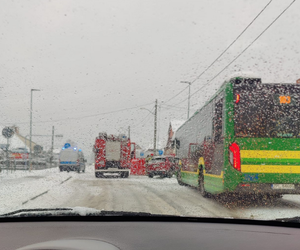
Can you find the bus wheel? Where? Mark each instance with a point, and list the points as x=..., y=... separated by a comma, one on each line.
x=201, y=184
x=150, y=175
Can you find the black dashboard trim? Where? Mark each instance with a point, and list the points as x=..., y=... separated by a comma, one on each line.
x=148, y=219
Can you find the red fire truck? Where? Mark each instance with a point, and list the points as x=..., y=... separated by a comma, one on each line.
x=113, y=155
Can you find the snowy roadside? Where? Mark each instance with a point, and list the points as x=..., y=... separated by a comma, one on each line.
x=21, y=187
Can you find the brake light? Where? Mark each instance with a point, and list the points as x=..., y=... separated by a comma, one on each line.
x=237, y=100
x=234, y=156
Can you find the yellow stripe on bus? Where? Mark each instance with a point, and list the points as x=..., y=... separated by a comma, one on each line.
x=275, y=154
x=276, y=169
x=213, y=175
x=190, y=172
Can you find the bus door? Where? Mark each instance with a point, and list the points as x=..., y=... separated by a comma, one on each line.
x=193, y=159
x=218, y=139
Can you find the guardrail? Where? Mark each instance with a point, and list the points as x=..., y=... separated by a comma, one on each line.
x=15, y=166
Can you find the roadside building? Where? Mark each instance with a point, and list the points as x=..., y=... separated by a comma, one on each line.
x=18, y=149
x=173, y=126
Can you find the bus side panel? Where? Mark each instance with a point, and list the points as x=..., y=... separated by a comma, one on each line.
x=214, y=153
x=232, y=177
x=213, y=185
x=190, y=178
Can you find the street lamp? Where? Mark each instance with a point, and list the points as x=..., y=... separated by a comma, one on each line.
x=189, y=83
x=30, y=134
x=155, y=125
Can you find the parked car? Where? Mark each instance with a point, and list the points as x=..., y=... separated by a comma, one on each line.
x=164, y=166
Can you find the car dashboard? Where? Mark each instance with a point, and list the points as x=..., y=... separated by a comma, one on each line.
x=150, y=233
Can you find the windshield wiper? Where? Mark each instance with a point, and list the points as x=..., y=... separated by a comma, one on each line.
x=45, y=212
x=34, y=211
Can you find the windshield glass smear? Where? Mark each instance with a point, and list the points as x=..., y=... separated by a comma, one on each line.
x=181, y=108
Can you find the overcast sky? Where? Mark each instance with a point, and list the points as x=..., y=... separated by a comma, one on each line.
x=94, y=57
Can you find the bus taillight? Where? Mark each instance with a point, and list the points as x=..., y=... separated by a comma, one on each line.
x=237, y=99
x=234, y=156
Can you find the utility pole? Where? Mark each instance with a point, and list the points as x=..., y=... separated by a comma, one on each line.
x=129, y=132
x=155, y=127
x=52, y=145
x=30, y=134
x=189, y=97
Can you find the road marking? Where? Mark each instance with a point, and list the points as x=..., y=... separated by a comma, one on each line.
x=33, y=198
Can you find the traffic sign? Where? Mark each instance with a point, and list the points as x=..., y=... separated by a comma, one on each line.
x=8, y=132
x=160, y=152
x=67, y=145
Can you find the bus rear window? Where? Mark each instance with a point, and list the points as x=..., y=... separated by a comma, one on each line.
x=267, y=111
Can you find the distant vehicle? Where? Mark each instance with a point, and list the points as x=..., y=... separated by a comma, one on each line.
x=113, y=155
x=19, y=157
x=164, y=166
x=71, y=158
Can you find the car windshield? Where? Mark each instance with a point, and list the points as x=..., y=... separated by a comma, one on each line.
x=95, y=94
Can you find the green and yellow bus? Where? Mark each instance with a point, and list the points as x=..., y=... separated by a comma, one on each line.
x=245, y=139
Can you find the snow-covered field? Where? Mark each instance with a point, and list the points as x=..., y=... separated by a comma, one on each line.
x=50, y=188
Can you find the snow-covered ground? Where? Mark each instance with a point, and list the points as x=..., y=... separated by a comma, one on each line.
x=16, y=188
x=50, y=188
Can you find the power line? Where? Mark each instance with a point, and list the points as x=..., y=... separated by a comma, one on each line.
x=176, y=95
x=242, y=51
x=232, y=42
x=177, y=108
x=230, y=45
x=87, y=116
x=172, y=106
x=143, y=120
